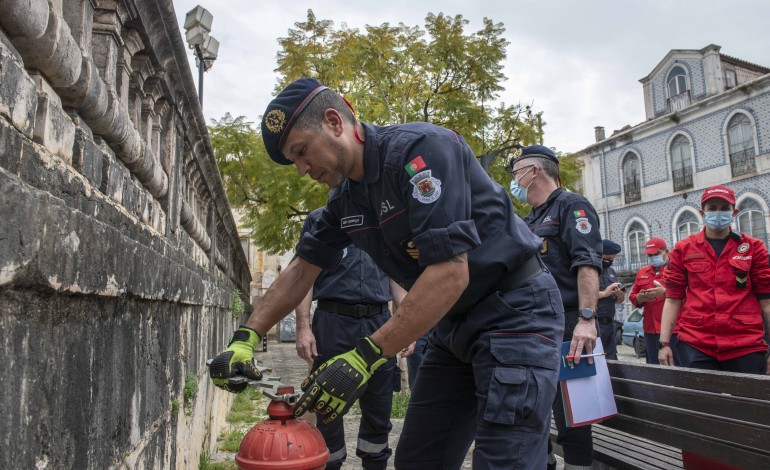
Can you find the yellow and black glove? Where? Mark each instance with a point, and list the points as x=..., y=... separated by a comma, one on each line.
x=332, y=389
x=237, y=359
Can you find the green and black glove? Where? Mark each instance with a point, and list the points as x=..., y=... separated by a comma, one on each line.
x=332, y=389
x=237, y=359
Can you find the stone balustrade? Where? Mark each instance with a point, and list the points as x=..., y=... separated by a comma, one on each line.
x=119, y=255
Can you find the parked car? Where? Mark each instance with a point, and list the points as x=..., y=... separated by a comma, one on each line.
x=633, y=334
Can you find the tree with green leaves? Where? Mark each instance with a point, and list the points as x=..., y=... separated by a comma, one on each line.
x=391, y=74
x=273, y=199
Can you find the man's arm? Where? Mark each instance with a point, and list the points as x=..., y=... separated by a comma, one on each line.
x=584, y=335
x=424, y=305
x=284, y=295
x=397, y=292
x=670, y=314
x=306, y=347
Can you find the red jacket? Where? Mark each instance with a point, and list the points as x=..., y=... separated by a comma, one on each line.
x=720, y=313
x=653, y=310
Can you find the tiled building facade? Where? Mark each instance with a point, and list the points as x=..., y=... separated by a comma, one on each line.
x=708, y=122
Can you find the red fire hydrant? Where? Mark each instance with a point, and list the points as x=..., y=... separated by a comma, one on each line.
x=282, y=441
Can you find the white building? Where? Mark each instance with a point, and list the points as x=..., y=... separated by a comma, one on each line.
x=708, y=123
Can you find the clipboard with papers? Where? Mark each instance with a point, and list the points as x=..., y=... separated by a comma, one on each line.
x=588, y=399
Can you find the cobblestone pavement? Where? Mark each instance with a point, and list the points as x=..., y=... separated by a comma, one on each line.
x=282, y=358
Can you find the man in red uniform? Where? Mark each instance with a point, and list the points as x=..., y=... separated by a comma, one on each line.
x=648, y=292
x=718, y=287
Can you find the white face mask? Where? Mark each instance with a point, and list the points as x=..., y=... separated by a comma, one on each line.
x=519, y=192
x=718, y=220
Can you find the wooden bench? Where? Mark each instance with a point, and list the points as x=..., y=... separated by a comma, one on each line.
x=717, y=415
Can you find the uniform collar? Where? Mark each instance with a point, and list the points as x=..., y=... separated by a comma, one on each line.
x=544, y=206
x=701, y=237
x=371, y=155
x=371, y=163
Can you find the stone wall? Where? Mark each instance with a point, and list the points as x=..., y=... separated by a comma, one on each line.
x=119, y=255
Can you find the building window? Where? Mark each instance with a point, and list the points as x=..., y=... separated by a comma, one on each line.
x=637, y=238
x=751, y=219
x=632, y=181
x=681, y=163
x=678, y=94
x=686, y=225
x=740, y=135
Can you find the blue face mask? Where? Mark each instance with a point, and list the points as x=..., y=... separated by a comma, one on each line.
x=718, y=221
x=657, y=261
x=517, y=191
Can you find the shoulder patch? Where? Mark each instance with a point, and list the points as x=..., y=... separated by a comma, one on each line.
x=583, y=225
x=427, y=189
x=579, y=213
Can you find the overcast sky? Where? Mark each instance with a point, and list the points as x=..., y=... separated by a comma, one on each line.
x=578, y=61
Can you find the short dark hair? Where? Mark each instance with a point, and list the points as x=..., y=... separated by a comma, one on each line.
x=550, y=168
x=312, y=116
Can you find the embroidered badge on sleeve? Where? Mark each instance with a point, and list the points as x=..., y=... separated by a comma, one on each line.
x=426, y=189
x=583, y=225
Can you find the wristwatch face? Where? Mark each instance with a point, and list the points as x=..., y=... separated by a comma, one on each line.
x=662, y=345
x=586, y=313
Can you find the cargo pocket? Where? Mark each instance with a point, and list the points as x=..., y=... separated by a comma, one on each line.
x=523, y=384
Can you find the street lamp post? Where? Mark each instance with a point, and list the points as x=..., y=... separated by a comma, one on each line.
x=197, y=27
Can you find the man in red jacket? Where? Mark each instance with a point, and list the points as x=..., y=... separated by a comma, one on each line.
x=648, y=292
x=718, y=287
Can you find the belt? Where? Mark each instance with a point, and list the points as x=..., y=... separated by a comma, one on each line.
x=515, y=279
x=352, y=310
x=604, y=321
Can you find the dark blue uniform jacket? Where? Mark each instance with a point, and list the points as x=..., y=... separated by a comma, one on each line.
x=568, y=227
x=424, y=199
x=356, y=280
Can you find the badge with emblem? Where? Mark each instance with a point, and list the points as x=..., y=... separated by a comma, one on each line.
x=426, y=189
x=743, y=248
x=583, y=225
x=275, y=120
x=411, y=250
x=544, y=246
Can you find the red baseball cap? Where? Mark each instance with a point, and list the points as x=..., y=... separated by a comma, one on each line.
x=654, y=245
x=722, y=192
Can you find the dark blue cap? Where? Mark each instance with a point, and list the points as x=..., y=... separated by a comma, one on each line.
x=282, y=113
x=535, y=151
x=609, y=247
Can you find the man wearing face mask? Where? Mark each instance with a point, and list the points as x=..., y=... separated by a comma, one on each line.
x=610, y=294
x=568, y=226
x=718, y=294
x=648, y=292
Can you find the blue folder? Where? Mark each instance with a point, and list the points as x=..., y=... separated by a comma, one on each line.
x=568, y=370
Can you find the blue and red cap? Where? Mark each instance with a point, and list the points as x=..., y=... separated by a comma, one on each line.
x=282, y=113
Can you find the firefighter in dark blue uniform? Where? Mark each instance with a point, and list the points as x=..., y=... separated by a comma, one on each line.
x=568, y=228
x=352, y=300
x=416, y=199
x=610, y=294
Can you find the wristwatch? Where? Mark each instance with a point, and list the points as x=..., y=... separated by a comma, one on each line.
x=663, y=344
x=586, y=314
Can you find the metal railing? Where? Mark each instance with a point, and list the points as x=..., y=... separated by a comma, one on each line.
x=633, y=191
x=679, y=102
x=682, y=178
x=743, y=162
x=633, y=264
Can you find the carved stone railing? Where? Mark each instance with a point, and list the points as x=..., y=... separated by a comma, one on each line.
x=119, y=255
